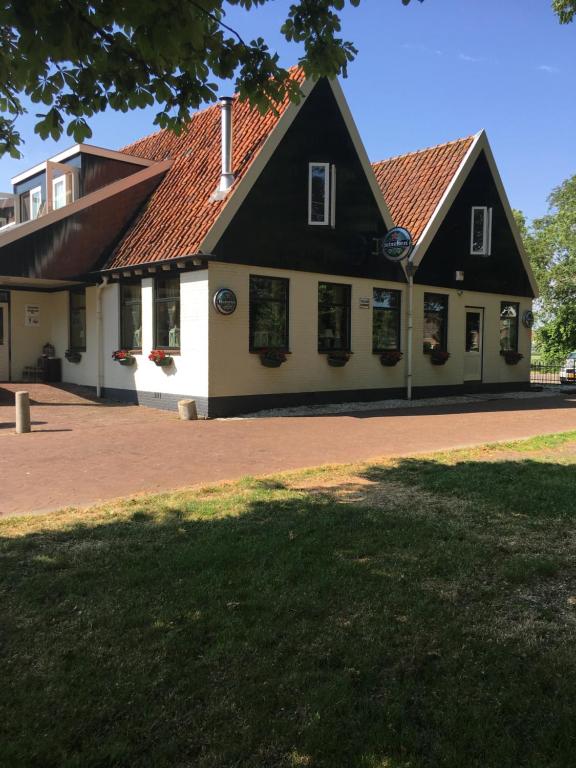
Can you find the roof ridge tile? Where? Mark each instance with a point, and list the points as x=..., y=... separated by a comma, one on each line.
x=425, y=149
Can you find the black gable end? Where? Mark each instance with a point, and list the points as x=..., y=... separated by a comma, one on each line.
x=271, y=227
x=503, y=272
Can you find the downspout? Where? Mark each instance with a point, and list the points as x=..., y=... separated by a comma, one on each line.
x=410, y=269
x=99, y=337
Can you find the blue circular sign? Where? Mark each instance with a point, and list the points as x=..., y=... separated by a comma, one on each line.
x=396, y=244
x=225, y=301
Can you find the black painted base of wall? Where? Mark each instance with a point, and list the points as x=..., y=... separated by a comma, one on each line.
x=232, y=406
x=162, y=400
x=219, y=407
x=470, y=388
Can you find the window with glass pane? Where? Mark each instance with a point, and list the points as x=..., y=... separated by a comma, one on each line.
x=481, y=231
x=473, y=331
x=131, y=315
x=25, y=206
x=333, y=317
x=318, y=193
x=59, y=192
x=435, y=321
x=385, y=320
x=167, y=313
x=78, y=319
x=509, y=312
x=268, y=313
x=35, y=202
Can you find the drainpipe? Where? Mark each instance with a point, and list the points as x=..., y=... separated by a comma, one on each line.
x=99, y=337
x=410, y=269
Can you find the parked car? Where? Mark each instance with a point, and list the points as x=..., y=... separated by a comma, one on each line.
x=568, y=370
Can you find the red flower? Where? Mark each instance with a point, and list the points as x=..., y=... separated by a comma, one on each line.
x=120, y=354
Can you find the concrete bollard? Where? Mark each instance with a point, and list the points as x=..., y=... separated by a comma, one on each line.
x=187, y=410
x=22, y=412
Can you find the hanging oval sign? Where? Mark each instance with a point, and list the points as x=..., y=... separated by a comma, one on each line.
x=528, y=318
x=225, y=301
x=396, y=244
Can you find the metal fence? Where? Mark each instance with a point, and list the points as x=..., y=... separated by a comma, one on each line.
x=554, y=373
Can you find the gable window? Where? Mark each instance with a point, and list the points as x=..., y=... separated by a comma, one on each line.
x=268, y=327
x=333, y=317
x=509, y=312
x=435, y=322
x=385, y=319
x=131, y=315
x=59, y=192
x=322, y=194
x=481, y=231
x=77, y=309
x=167, y=313
x=35, y=202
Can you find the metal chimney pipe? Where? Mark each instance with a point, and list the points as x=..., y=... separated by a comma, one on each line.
x=227, y=177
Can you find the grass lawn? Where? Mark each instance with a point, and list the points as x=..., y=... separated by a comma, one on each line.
x=405, y=614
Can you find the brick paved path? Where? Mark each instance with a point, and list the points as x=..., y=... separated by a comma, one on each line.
x=82, y=451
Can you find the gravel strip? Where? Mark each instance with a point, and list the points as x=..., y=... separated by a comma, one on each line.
x=386, y=405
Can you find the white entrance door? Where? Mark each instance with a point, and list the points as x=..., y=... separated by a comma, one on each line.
x=473, y=342
x=4, y=343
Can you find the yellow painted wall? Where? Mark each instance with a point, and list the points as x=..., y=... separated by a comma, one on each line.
x=495, y=370
x=236, y=371
x=26, y=342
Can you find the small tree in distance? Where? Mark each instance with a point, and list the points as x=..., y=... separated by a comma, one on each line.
x=550, y=242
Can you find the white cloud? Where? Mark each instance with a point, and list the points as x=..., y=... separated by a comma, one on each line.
x=466, y=57
x=423, y=48
x=548, y=68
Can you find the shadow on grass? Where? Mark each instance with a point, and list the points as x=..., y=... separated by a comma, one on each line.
x=538, y=489
x=300, y=632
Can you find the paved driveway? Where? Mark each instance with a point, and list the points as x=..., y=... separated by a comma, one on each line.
x=82, y=451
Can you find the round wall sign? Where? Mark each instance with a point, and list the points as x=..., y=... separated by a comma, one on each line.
x=528, y=318
x=396, y=244
x=225, y=301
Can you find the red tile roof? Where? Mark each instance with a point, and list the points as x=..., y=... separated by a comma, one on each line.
x=414, y=184
x=179, y=213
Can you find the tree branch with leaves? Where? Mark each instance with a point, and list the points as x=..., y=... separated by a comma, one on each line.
x=81, y=57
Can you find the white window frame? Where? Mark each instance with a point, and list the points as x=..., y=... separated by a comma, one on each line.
x=55, y=181
x=486, y=249
x=36, y=190
x=333, y=196
x=327, y=204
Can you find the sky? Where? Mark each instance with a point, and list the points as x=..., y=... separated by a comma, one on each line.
x=425, y=74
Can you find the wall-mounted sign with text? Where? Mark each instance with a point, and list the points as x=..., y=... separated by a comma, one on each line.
x=31, y=315
x=225, y=301
x=396, y=244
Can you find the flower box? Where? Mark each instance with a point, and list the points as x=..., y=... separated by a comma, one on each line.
x=511, y=357
x=270, y=363
x=338, y=359
x=439, y=356
x=72, y=356
x=124, y=357
x=272, y=358
x=160, y=358
x=390, y=357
